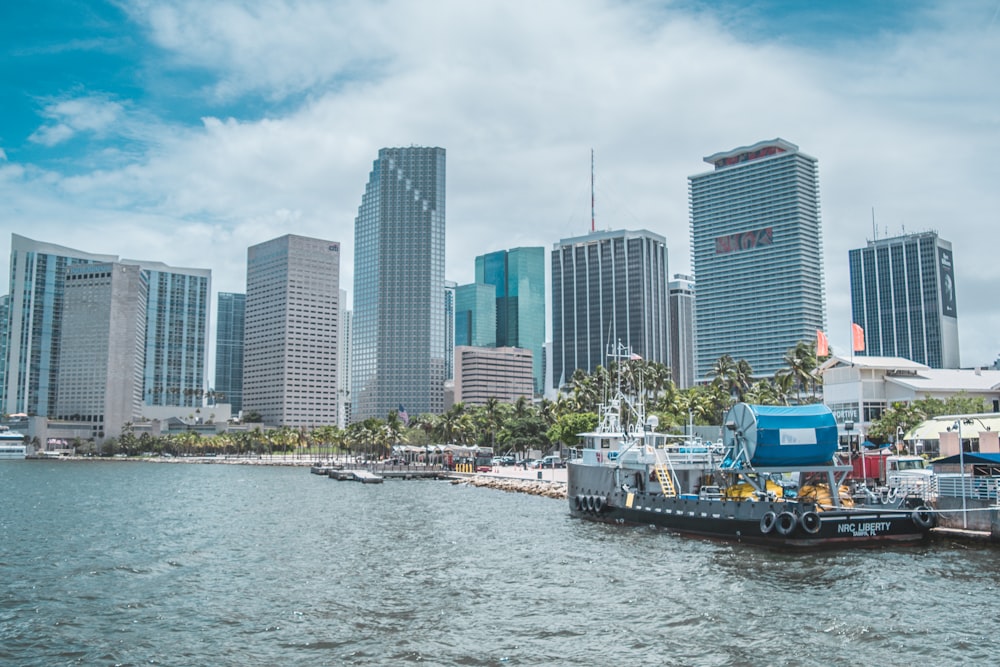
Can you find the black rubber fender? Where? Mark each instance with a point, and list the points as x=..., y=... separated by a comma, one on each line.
x=923, y=517
x=811, y=522
x=785, y=523
x=767, y=522
x=599, y=504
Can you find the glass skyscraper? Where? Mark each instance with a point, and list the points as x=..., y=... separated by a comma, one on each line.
x=519, y=278
x=903, y=296
x=476, y=315
x=608, y=287
x=757, y=255
x=399, y=325
x=229, y=350
x=36, y=303
x=176, y=334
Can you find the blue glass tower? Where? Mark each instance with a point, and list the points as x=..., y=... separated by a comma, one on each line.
x=229, y=349
x=757, y=255
x=476, y=315
x=518, y=276
x=399, y=320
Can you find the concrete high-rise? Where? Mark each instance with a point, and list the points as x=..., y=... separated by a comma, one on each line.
x=35, y=322
x=101, y=363
x=518, y=275
x=608, y=287
x=344, y=363
x=682, y=330
x=482, y=373
x=292, y=316
x=757, y=255
x=229, y=349
x=903, y=296
x=399, y=320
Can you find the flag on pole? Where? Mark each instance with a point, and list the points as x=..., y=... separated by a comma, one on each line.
x=403, y=417
x=635, y=357
x=858, y=337
x=822, y=344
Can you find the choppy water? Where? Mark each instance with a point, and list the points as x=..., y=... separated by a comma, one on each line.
x=128, y=563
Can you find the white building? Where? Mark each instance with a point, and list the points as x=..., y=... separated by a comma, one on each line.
x=503, y=373
x=859, y=390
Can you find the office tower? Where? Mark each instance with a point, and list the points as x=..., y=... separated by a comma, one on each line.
x=608, y=287
x=35, y=322
x=903, y=296
x=344, y=363
x=519, y=278
x=682, y=330
x=229, y=350
x=399, y=322
x=449, y=329
x=476, y=315
x=482, y=373
x=101, y=361
x=4, y=314
x=292, y=312
x=757, y=255
x=176, y=334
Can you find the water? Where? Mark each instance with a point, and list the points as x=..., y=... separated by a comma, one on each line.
x=107, y=563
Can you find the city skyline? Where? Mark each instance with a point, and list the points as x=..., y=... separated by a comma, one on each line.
x=202, y=130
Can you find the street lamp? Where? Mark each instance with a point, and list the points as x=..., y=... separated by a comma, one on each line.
x=961, y=463
x=899, y=436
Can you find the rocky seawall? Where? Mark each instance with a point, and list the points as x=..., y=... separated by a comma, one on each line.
x=536, y=488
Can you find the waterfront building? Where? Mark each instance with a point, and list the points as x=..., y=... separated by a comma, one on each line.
x=4, y=314
x=682, y=330
x=518, y=276
x=35, y=322
x=608, y=287
x=903, y=296
x=344, y=363
x=858, y=389
x=399, y=324
x=292, y=313
x=229, y=349
x=101, y=363
x=476, y=315
x=757, y=255
x=177, y=319
x=501, y=373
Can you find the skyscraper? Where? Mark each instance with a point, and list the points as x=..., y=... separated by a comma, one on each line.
x=399, y=320
x=229, y=349
x=608, y=287
x=37, y=283
x=518, y=275
x=903, y=296
x=344, y=363
x=682, y=330
x=757, y=255
x=176, y=334
x=449, y=329
x=101, y=363
x=292, y=316
x=476, y=315
x=176, y=320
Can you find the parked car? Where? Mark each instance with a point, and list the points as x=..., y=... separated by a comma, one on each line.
x=552, y=461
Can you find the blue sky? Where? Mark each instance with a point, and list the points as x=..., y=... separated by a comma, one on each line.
x=183, y=131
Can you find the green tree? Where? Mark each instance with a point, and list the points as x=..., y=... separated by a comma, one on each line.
x=568, y=427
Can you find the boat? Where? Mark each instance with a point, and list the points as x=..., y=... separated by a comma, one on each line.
x=772, y=479
x=12, y=444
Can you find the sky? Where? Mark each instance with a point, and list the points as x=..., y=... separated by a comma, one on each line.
x=184, y=131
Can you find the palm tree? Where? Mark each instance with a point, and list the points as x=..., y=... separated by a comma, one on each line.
x=801, y=366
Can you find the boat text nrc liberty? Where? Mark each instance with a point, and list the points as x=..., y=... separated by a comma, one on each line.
x=773, y=479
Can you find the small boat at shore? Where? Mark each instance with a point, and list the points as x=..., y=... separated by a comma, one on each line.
x=773, y=480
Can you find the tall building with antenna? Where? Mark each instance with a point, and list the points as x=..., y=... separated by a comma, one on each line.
x=608, y=287
x=903, y=296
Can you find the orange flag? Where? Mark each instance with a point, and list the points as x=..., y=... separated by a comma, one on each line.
x=858, y=336
x=822, y=344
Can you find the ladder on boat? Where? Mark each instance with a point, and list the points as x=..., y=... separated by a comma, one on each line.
x=665, y=476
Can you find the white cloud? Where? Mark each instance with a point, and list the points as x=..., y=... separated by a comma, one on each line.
x=518, y=94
